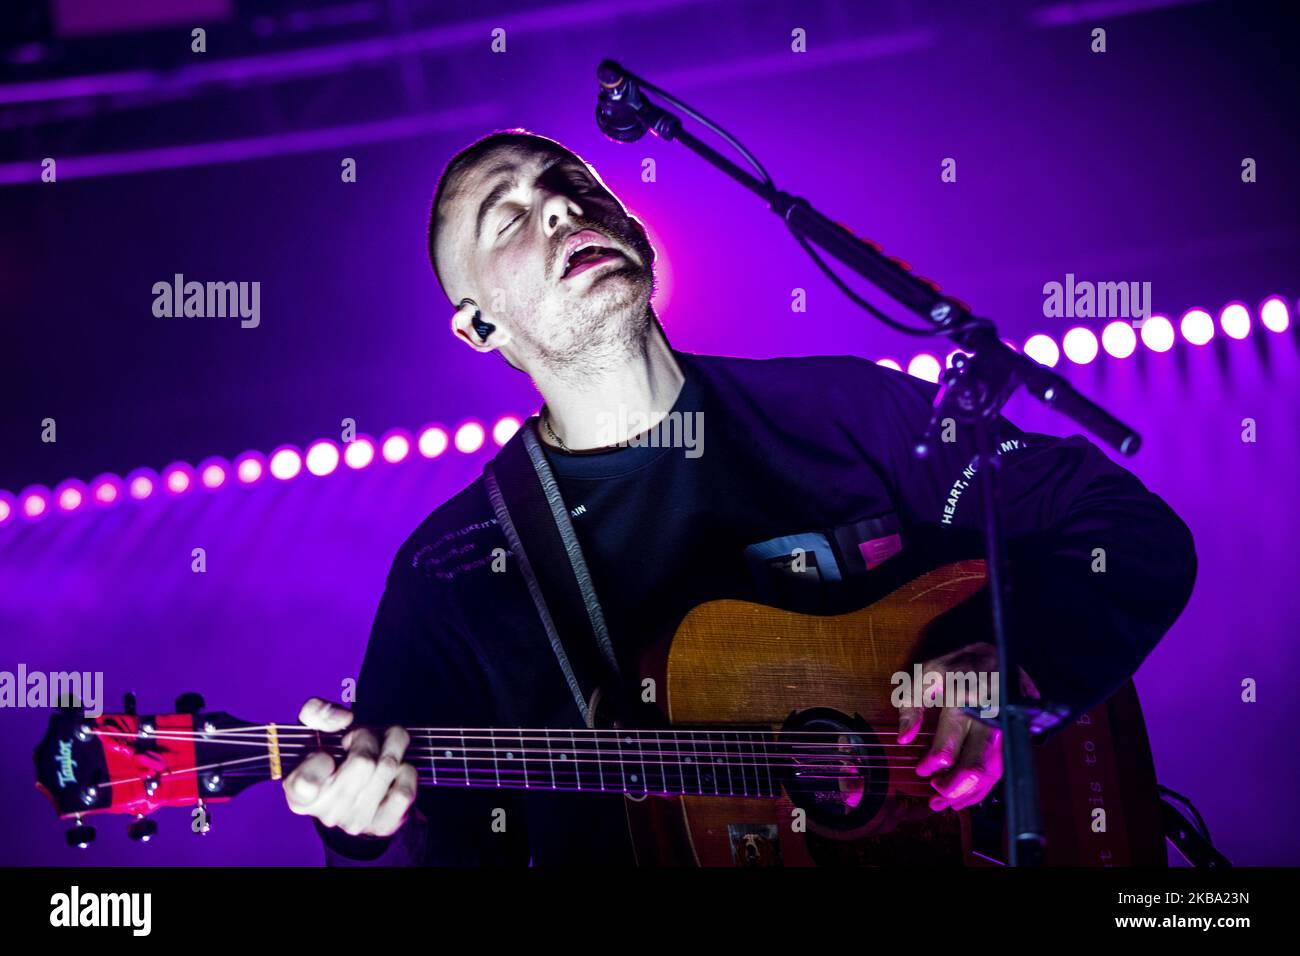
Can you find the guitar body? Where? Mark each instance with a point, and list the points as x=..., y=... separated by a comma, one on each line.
x=732, y=664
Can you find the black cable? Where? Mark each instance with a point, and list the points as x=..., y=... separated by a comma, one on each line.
x=767, y=181
x=709, y=124
x=854, y=297
x=1175, y=796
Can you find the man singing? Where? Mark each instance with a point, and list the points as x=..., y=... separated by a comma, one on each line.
x=812, y=455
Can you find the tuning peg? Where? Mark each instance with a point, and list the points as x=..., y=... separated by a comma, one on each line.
x=81, y=836
x=128, y=704
x=142, y=830
x=190, y=703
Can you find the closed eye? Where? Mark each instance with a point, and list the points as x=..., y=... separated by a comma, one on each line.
x=513, y=219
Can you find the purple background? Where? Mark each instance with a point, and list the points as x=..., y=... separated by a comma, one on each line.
x=1122, y=166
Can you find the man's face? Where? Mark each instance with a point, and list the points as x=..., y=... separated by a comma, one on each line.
x=545, y=249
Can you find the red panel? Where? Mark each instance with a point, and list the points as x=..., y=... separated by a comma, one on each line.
x=173, y=763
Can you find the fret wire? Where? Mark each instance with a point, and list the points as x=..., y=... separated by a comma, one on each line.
x=674, y=786
x=641, y=750
x=523, y=759
x=660, y=765
x=550, y=759
x=600, y=764
x=767, y=759
x=496, y=762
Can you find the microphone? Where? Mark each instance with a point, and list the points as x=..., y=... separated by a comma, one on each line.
x=619, y=104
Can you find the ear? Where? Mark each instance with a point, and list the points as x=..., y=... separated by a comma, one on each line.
x=463, y=324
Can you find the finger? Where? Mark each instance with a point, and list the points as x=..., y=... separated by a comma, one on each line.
x=325, y=716
x=363, y=809
x=948, y=736
x=978, y=769
x=342, y=789
x=303, y=787
x=910, y=720
x=394, y=807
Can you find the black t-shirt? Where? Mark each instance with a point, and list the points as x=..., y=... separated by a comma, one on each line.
x=759, y=460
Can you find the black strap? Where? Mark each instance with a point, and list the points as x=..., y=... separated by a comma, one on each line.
x=532, y=514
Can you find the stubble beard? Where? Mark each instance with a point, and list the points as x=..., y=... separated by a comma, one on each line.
x=605, y=330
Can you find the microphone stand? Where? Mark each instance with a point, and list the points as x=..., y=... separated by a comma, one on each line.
x=973, y=391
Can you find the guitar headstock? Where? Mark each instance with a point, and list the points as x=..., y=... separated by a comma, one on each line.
x=135, y=764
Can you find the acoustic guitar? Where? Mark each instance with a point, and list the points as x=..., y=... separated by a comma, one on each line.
x=778, y=746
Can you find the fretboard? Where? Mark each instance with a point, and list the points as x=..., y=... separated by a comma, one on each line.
x=733, y=763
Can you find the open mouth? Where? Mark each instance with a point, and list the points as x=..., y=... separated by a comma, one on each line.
x=588, y=255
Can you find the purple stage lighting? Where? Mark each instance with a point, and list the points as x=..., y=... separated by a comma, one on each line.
x=70, y=495
x=470, y=437
x=1158, y=334
x=286, y=463
x=106, y=490
x=395, y=446
x=1119, y=340
x=925, y=367
x=249, y=467
x=322, y=457
x=1197, y=326
x=178, y=478
x=1235, y=320
x=1275, y=315
x=1080, y=345
x=505, y=429
x=36, y=502
x=359, y=452
x=1043, y=350
x=433, y=441
x=212, y=473
x=141, y=484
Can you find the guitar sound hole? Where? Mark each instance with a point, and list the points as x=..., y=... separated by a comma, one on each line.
x=838, y=771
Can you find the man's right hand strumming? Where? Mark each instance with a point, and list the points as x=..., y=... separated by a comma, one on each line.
x=370, y=793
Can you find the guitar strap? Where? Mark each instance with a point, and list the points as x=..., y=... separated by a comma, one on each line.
x=535, y=520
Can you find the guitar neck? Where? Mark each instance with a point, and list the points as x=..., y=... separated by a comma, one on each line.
x=739, y=763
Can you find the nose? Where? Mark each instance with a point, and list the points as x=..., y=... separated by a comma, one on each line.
x=557, y=210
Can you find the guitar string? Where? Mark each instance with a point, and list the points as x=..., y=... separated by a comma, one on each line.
x=485, y=774
x=606, y=758
x=723, y=737
x=515, y=731
x=482, y=781
x=501, y=743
